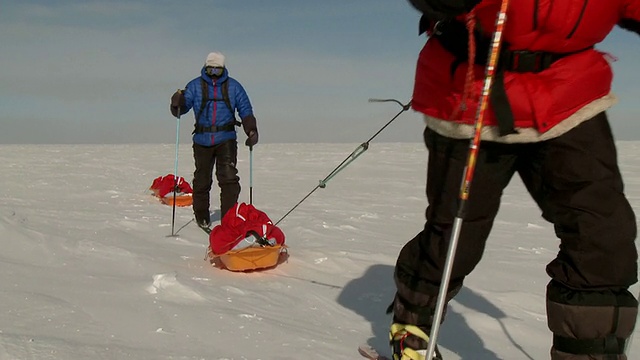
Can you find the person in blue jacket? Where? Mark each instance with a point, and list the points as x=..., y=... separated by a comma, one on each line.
x=215, y=98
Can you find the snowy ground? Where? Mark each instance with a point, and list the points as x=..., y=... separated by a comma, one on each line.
x=88, y=271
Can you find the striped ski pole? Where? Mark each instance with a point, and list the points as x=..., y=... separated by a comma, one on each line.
x=465, y=186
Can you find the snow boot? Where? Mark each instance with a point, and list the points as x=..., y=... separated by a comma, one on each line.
x=409, y=342
x=203, y=220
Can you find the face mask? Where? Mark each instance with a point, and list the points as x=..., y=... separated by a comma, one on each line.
x=214, y=71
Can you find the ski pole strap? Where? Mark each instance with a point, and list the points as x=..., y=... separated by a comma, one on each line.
x=608, y=345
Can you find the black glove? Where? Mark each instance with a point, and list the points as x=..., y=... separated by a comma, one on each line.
x=630, y=24
x=438, y=10
x=178, y=102
x=252, y=138
x=251, y=129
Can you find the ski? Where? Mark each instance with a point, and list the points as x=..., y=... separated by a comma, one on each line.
x=370, y=353
x=205, y=229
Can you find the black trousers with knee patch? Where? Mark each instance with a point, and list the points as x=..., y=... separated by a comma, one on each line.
x=576, y=182
x=224, y=157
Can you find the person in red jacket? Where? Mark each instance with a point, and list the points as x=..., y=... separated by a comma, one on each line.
x=545, y=121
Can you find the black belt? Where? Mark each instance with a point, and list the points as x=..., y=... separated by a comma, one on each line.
x=199, y=129
x=527, y=61
x=453, y=36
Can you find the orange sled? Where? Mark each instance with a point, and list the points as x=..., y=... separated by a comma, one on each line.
x=252, y=258
x=181, y=200
x=163, y=187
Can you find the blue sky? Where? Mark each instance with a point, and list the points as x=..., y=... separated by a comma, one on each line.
x=103, y=71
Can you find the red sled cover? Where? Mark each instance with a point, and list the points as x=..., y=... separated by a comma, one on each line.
x=240, y=226
x=162, y=188
x=163, y=185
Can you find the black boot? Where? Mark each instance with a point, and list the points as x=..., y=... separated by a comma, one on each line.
x=409, y=342
x=202, y=219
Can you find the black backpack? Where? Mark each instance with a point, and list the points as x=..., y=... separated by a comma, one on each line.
x=205, y=101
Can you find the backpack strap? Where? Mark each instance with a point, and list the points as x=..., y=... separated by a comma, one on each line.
x=205, y=101
x=225, y=96
x=205, y=98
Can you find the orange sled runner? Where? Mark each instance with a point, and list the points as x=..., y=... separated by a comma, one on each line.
x=251, y=258
x=182, y=200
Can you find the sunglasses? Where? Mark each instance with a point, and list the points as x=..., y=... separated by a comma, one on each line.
x=214, y=70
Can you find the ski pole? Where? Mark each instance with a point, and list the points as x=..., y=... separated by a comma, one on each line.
x=469, y=169
x=175, y=174
x=251, y=175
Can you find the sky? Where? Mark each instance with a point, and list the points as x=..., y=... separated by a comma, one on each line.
x=104, y=71
x=88, y=269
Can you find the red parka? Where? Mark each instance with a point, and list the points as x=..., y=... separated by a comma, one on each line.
x=538, y=100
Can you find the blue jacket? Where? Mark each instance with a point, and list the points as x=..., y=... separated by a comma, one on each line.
x=216, y=112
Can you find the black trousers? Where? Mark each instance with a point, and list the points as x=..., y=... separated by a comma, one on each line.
x=575, y=181
x=224, y=157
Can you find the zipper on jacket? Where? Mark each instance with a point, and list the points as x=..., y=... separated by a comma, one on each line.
x=214, y=108
x=584, y=8
x=213, y=112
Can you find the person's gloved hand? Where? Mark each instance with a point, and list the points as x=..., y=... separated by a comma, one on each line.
x=251, y=129
x=252, y=138
x=177, y=103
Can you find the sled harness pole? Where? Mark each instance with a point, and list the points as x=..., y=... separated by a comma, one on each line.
x=175, y=175
x=349, y=159
x=469, y=169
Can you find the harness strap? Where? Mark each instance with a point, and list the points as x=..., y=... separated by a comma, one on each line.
x=199, y=129
x=205, y=101
x=225, y=95
x=205, y=98
x=501, y=106
x=453, y=37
